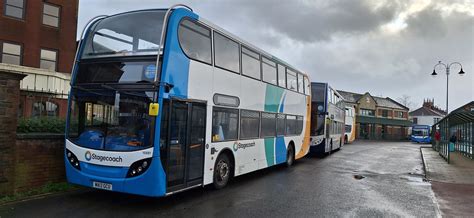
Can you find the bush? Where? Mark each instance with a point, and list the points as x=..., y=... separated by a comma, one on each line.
x=41, y=125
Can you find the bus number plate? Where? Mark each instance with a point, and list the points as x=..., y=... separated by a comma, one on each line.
x=101, y=185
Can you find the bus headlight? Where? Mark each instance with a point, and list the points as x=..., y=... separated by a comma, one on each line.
x=138, y=167
x=73, y=159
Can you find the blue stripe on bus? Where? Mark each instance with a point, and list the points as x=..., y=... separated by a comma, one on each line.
x=175, y=71
x=280, y=150
x=175, y=63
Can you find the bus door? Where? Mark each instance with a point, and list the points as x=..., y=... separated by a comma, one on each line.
x=184, y=146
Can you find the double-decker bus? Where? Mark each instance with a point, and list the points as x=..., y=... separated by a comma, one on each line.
x=349, y=135
x=327, y=119
x=163, y=101
x=421, y=134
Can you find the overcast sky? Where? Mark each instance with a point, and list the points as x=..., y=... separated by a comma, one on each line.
x=387, y=48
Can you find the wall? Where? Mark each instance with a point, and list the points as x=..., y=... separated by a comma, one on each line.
x=426, y=120
x=38, y=160
x=9, y=92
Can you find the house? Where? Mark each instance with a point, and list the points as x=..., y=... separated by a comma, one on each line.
x=427, y=114
x=378, y=118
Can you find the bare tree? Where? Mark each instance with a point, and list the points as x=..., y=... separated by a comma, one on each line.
x=405, y=101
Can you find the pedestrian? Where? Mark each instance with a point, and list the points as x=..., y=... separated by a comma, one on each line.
x=437, y=137
x=452, y=142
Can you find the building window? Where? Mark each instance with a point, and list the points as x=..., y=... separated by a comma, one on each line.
x=399, y=114
x=15, y=8
x=365, y=112
x=225, y=123
x=415, y=120
x=436, y=119
x=249, y=123
x=47, y=108
x=48, y=59
x=50, y=15
x=195, y=41
x=384, y=113
x=10, y=53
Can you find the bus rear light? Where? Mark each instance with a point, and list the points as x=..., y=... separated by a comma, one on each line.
x=138, y=167
x=73, y=160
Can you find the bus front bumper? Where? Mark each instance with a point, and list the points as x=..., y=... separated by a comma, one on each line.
x=151, y=183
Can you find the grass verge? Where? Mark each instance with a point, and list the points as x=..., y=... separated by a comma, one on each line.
x=49, y=188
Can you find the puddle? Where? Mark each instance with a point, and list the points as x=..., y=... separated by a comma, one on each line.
x=414, y=179
x=358, y=177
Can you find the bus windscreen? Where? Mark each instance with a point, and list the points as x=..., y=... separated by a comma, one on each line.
x=136, y=33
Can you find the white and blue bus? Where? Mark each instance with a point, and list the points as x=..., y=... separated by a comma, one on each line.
x=327, y=119
x=205, y=107
x=421, y=133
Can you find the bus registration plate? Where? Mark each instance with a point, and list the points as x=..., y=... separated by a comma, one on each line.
x=101, y=185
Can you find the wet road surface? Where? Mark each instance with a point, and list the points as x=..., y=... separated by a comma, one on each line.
x=363, y=179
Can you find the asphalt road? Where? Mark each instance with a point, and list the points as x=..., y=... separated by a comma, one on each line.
x=392, y=185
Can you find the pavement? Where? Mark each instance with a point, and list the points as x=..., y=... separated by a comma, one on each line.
x=363, y=179
x=453, y=183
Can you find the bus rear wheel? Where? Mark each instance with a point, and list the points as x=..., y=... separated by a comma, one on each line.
x=222, y=171
x=290, y=156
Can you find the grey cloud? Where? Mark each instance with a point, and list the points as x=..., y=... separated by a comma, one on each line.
x=341, y=42
x=316, y=20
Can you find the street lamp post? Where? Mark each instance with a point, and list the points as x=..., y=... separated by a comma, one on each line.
x=447, y=67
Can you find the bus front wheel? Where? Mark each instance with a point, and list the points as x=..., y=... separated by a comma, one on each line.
x=222, y=171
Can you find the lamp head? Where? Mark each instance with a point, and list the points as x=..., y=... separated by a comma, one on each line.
x=461, y=72
x=434, y=73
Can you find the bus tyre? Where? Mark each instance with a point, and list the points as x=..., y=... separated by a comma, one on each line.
x=222, y=171
x=290, y=156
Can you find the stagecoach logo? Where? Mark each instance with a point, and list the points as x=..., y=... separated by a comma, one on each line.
x=89, y=156
x=238, y=145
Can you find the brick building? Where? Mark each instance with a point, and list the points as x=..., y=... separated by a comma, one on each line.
x=378, y=118
x=38, y=38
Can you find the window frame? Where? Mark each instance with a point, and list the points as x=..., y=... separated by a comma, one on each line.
x=296, y=77
x=23, y=10
x=198, y=23
x=239, y=46
x=278, y=75
x=284, y=124
x=12, y=43
x=58, y=17
x=55, y=61
x=238, y=123
x=263, y=57
x=261, y=127
x=242, y=47
x=259, y=124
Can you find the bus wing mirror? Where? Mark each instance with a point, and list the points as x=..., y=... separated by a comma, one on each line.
x=153, y=109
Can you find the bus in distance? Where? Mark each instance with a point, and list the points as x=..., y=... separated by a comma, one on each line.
x=349, y=135
x=421, y=134
x=162, y=101
x=327, y=119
